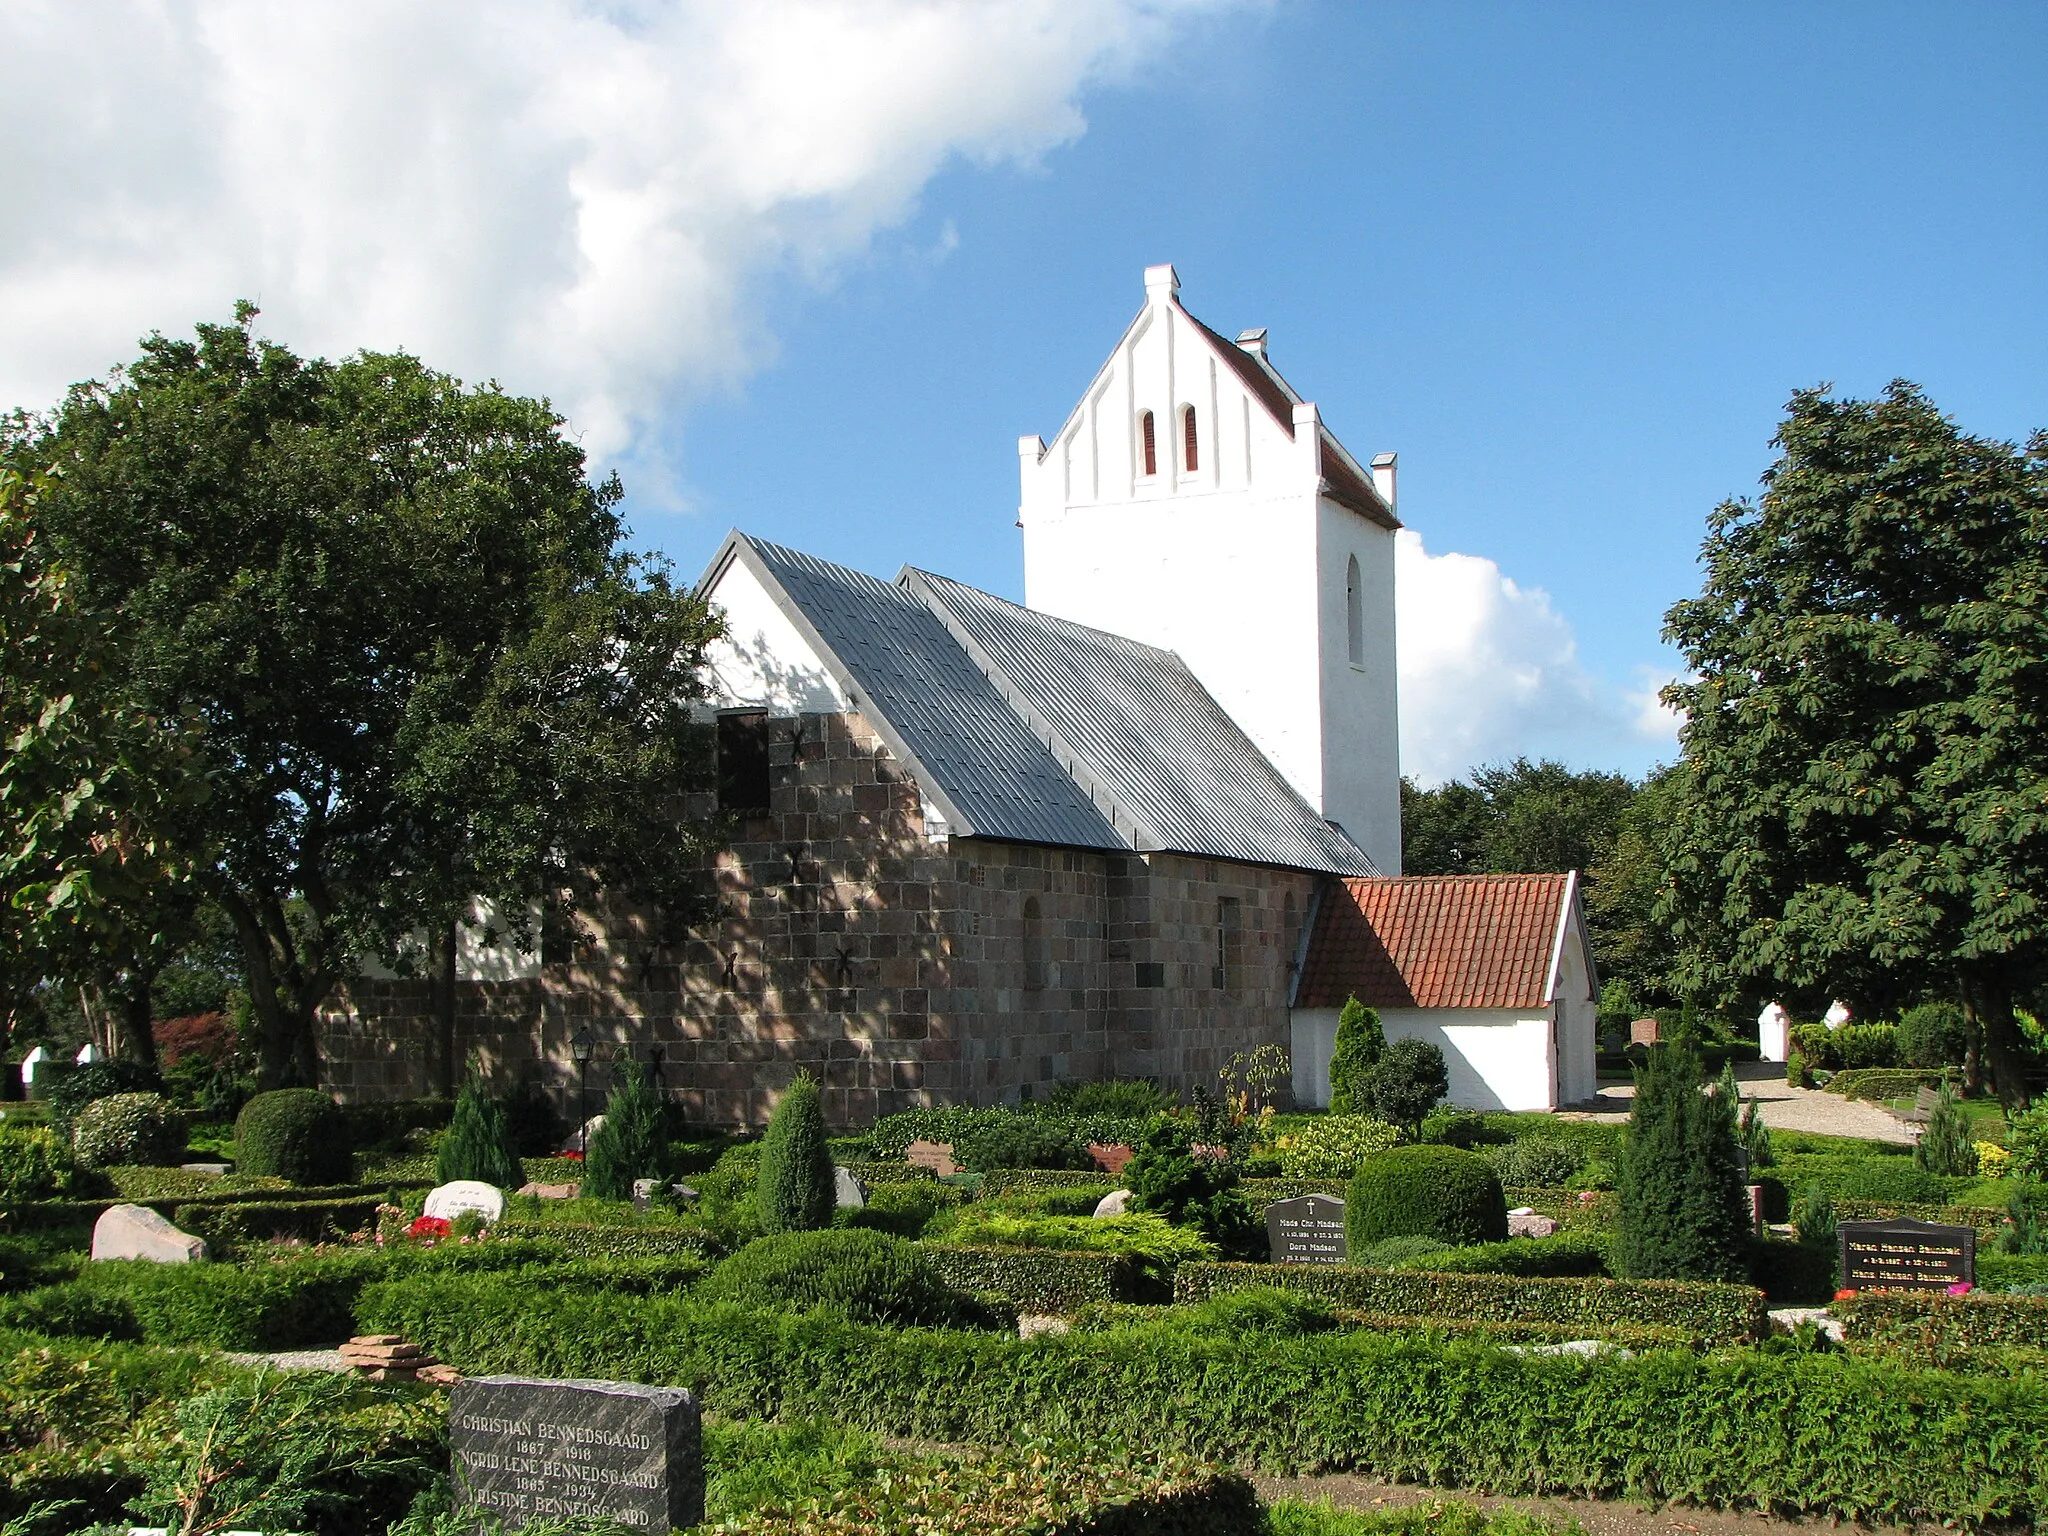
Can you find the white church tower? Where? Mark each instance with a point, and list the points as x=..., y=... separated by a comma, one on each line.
x=1195, y=502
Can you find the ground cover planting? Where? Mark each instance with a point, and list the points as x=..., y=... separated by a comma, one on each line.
x=1095, y=1371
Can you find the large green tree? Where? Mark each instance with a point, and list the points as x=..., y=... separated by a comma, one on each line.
x=1521, y=817
x=421, y=667
x=91, y=884
x=1866, y=735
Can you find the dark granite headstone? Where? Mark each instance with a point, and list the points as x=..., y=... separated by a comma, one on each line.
x=527, y=1449
x=1901, y=1254
x=1309, y=1230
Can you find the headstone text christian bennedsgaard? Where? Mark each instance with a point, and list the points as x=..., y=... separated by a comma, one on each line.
x=1906, y=1253
x=1309, y=1230
x=527, y=1449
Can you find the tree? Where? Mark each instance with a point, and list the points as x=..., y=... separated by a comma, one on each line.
x=422, y=670
x=795, y=1191
x=1866, y=769
x=1945, y=1146
x=1443, y=830
x=632, y=1143
x=1631, y=943
x=1407, y=1082
x=1683, y=1213
x=478, y=1143
x=1359, y=1045
x=87, y=781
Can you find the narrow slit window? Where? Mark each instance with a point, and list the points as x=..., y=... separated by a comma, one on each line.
x=743, y=762
x=1187, y=438
x=1149, y=442
x=1354, y=614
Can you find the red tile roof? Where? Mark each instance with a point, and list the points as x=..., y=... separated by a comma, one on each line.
x=1435, y=941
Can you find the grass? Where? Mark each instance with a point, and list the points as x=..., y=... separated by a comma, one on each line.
x=1432, y=1517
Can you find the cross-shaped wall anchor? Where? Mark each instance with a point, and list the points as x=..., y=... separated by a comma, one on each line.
x=845, y=967
x=732, y=970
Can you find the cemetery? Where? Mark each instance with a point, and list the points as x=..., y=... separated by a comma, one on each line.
x=963, y=1316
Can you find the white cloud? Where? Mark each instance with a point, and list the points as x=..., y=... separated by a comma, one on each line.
x=1490, y=671
x=576, y=198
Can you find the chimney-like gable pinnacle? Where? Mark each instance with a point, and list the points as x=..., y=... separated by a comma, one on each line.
x=1253, y=342
x=1161, y=283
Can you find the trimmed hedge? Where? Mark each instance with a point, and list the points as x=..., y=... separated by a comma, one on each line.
x=593, y=1241
x=1987, y=1220
x=1849, y=1437
x=1716, y=1314
x=241, y=1224
x=1000, y=1179
x=1879, y=1083
x=1934, y=1321
x=295, y=1133
x=1042, y=1279
x=1433, y=1191
x=1569, y=1254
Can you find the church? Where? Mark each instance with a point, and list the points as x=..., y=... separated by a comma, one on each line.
x=1145, y=821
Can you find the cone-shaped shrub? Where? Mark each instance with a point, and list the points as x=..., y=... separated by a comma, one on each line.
x=794, y=1192
x=478, y=1142
x=1360, y=1044
x=633, y=1141
x=1945, y=1146
x=1684, y=1214
x=1430, y=1191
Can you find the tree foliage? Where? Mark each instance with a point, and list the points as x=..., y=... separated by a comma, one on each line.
x=421, y=669
x=1359, y=1045
x=478, y=1142
x=795, y=1190
x=1683, y=1214
x=632, y=1143
x=1866, y=760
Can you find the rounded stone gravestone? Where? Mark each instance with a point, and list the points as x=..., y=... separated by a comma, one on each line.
x=1115, y=1203
x=848, y=1193
x=527, y=1449
x=449, y=1201
x=137, y=1232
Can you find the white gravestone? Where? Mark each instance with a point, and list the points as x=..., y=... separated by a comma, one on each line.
x=90, y=1053
x=1837, y=1015
x=137, y=1232
x=579, y=1141
x=1774, y=1032
x=1115, y=1203
x=31, y=1061
x=848, y=1193
x=449, y=1201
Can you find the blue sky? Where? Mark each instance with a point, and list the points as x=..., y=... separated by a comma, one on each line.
x=1569, y=261
x=810, y=268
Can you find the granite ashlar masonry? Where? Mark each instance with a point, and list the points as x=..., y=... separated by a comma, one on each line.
x=900, y=967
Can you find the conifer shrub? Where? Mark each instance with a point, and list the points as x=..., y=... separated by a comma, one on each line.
x=793, y=1191
x=1945, y=1146
x=1360, y=1044
x=1192, y=1186
x=1407, y=1082
x=1684, y=1214
x=1933, y=1035
x=1813, y=1218
x=478, y=1143
x=632, y=1143
x=140, y=1129
x=297, y=1134
x=869, y=1277
x=1437, y=1192
x=536, y=1125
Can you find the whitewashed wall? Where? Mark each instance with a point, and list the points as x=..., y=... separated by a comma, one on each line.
x=1239, y=566
x=763, y=659
x=1498, y=1058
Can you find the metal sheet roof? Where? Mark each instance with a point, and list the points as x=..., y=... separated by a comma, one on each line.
x=1139, y=727
x=905, y=665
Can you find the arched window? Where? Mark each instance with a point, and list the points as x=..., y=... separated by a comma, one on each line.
x=1149, y=440
x=1187, y=437
x=1354, y=614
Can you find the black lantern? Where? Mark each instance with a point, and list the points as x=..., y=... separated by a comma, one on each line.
x=582, y=1047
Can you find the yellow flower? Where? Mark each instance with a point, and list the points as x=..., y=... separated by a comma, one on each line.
x=1992, y=1159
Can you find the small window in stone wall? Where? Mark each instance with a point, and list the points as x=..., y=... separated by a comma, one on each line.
x=1035, y=965
x=1151, y=973
x=743, y=762
x=1229, y=944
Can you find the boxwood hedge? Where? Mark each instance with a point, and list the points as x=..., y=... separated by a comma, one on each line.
x=1711, y=1313
x=1831, y=1434
x=595, y=1240
x=1041, y=1279
x=1932, y=1321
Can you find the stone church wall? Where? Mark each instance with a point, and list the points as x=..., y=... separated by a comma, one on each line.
x=899, y=969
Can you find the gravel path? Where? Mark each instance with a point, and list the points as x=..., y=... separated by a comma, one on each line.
x=1783, y=1107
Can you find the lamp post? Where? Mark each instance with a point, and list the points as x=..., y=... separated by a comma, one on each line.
x=581, y=1048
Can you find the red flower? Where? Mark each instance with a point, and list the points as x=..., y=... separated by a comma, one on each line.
x=574, y=1157
x=429, y=1227
x=1845, y=1295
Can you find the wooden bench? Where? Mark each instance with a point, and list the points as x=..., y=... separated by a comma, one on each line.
x=1923, y=1106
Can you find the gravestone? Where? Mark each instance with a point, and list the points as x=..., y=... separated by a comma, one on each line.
x=1309, y=1230
x=1116, y=1203
x=1645, y=1032
x=848, y=1193
x=450, y=1200
x=137, y=1232
x=1111, y=1157
x=526, y=1449
x=30, y=1063
x=935, y=1155
x=1906, y=1254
